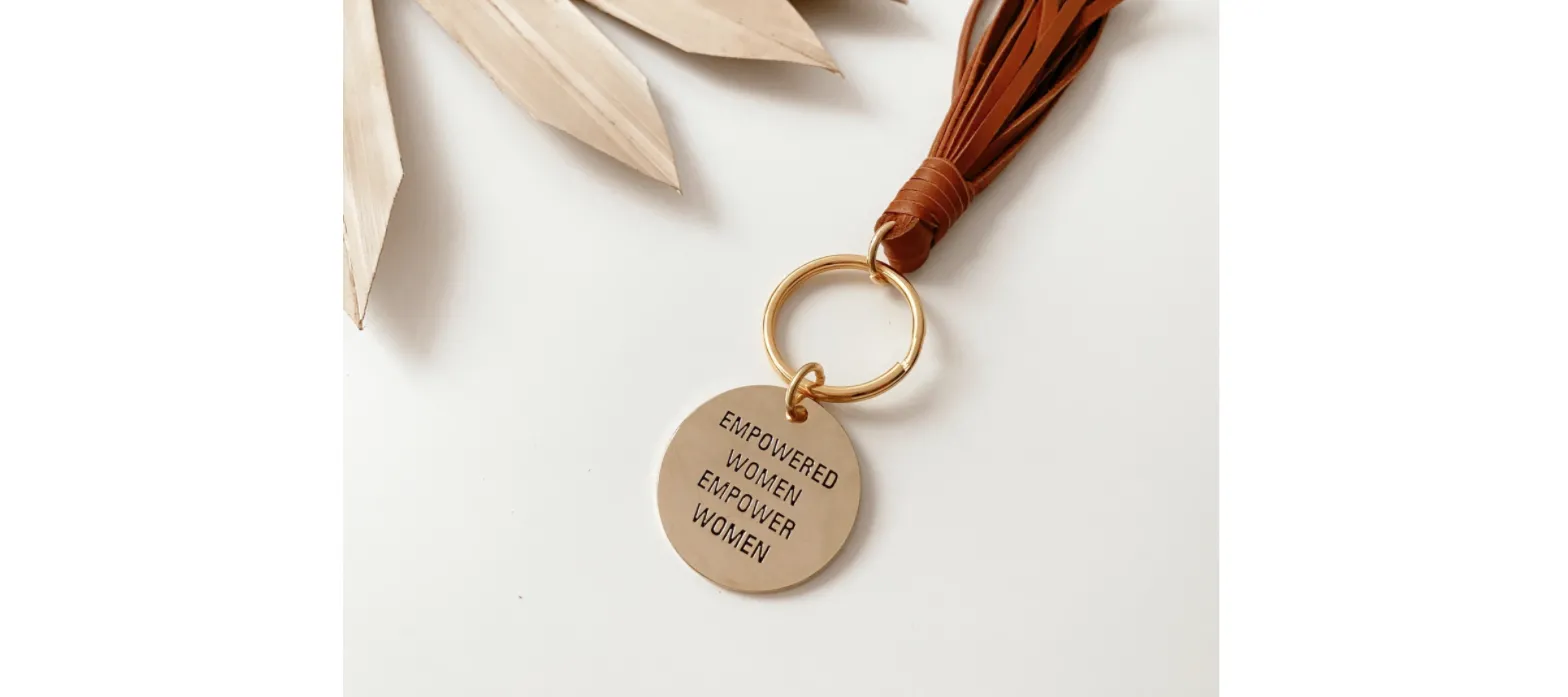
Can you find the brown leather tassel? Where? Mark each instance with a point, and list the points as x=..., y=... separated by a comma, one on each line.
x=1029, y=54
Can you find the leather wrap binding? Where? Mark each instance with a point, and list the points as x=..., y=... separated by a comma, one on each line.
x=1029, y=54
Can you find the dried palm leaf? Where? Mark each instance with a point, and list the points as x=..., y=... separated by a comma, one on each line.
x=372, y=165
x=755, y=29
x=550, y=59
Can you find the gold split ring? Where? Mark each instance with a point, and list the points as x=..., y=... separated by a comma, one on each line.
x=844, y=262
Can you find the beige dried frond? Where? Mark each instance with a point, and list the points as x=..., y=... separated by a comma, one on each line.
x=550, y=59
x=755, y=29
x=372, y=165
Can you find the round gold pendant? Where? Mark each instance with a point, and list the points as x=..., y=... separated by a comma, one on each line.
x=753, y=500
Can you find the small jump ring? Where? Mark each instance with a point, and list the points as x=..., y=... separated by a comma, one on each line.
x=871, y=253
x=797, y=390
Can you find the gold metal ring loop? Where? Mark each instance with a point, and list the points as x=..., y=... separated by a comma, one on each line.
x=797, y=391
x=843, y=262
x=871, y=252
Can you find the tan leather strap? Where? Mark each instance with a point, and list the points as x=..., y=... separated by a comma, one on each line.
x=1029, y=53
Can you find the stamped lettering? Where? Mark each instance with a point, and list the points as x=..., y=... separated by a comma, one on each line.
x=754, y=501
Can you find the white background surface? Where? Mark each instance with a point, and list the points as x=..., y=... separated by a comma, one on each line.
x=1040, y=507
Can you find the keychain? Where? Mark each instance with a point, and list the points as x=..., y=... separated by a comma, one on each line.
x=760, y=486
